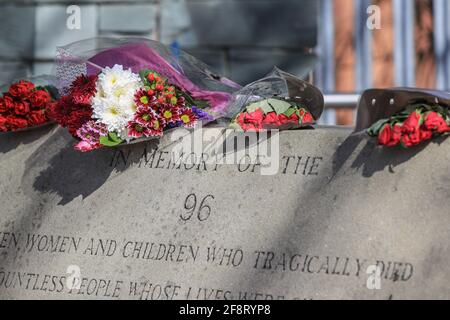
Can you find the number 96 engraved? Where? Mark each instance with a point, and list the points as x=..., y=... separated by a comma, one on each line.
x=202, y=211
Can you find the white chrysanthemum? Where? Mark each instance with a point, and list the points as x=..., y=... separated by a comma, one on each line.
x=117, y=81
x=114, y=104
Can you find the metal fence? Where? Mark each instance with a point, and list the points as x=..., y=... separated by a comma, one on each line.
x=441, y=43
x=404, y=48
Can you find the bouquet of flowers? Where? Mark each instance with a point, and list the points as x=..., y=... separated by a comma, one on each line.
x=23, y=105
x=132, y=90
x=273, y=113
x=278, y=101
x=403, y=116
x=416, y=124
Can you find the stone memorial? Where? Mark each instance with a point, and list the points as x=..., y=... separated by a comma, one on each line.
x=340, y=218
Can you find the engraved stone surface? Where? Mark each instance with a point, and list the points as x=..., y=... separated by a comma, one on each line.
x=341, y=219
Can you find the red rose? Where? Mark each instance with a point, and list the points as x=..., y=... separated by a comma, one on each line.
x=435, y=121
x=270, y=120
x=16, y=123
x=412, y=123
x=283, y=119
x=308, y=118
x=251, y=121
x=256, y=117
x=6, y=104
x=406, y=141
x=294, y=118
x=432, y=120
x=37, y=118
x=443, y=128
x=40, y=98
x=416, y=137
x=385, y=135
x=21, y=108
x=425, y=134
x=396, y=136
x=21, y=89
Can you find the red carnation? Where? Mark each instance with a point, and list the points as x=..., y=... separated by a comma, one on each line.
x=21, y=108
x=385, y=134
x=6, y=103
x=40, y=98
x=37, y=118
x=16, y=123
x=9, y=102
x=412, y=123
x=21, y=89
x=3, y=122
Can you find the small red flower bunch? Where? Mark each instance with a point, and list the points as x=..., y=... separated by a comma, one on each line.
x=24, y=106
x=74, y=109
x=412, y=127
x=272, y=114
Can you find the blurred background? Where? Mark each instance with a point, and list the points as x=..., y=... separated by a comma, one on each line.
x=343, y=46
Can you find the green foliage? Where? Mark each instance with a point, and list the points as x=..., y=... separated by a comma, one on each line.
x=111, y=140
x=278, y=106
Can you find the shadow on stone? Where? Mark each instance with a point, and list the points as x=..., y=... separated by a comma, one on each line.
x=372, y=158
x=70, y=173
x=11, y=140
x=57, y=168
